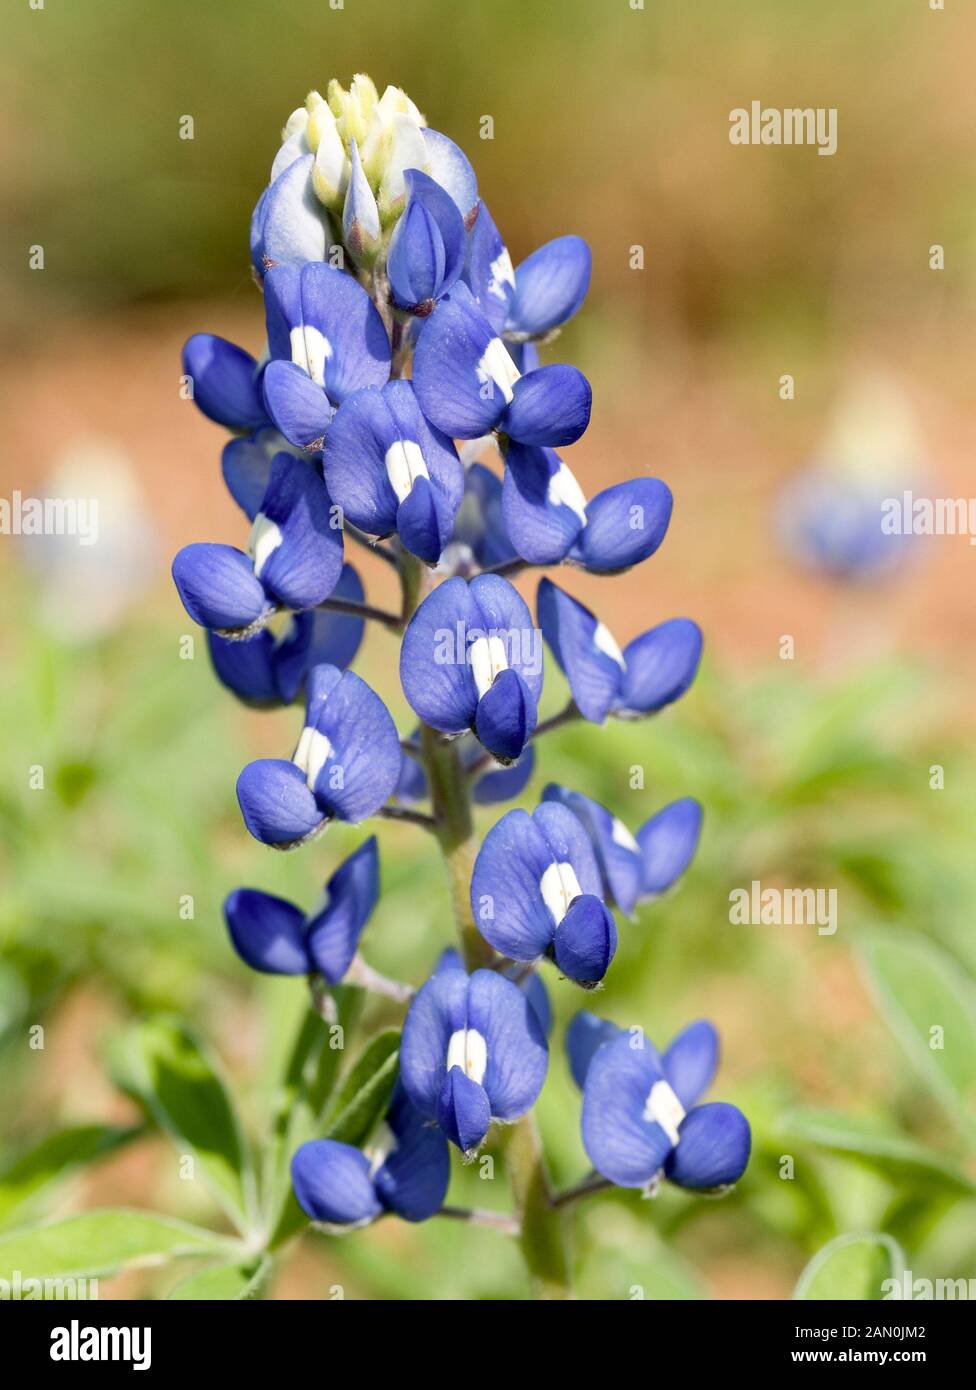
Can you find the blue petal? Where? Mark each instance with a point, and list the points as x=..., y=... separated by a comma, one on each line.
x=488, y=272
x=617, y=852
x=550, y=286
x=585, y=1034
x=362, y=749
x=668, y=842
x=503, y=611
x=535, y=991
x=337, y=309
x=283, y=313
x=412, y=782
x=506, y=895
x=217, y=586
x=304, y=566
x=506, y=783
x=426, y=253
x=299, y=408
x=569, y=844
x=585, y=941
x=249, y=668
x=625, y=524
x=333, y=1184
x=550, y=406
x=277, y=806
x=458, y=394
x=437, y=1011
x=226, y=382
x=463, y=1110
x=691, y=1061
x=292, y=225
x=246, y=466
x=335, y=637
x=505, y=717
x=450, y=167
x=621, y=1144
x=479, y=524
x=517, y=1051
x=268, y=932
x=660, y=666
x=351, y=892
x=413, y=1179
x=434, y=669
x=584, y=649
x=543, y=506
x=713, y=1148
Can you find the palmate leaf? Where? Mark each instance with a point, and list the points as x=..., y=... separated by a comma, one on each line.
x=97, y=1243
x=226, y=1282
x=54, y=1158
x=927, y=998
x=852, y=1267
x=163, y=1066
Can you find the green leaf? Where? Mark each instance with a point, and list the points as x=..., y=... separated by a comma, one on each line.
x=852, y=1267
x=54, y=1158
x=365, y=1092
x=226, y=1283
x=920, y=988
x=101, y=1242
x=896, y=1155
x=168, y=1071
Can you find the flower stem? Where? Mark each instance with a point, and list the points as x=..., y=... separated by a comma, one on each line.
x=542, y=1237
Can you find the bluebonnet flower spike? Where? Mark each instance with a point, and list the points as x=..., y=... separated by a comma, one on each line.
x=472, y=1052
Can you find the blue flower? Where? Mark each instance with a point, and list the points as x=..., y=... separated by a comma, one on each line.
x=641, y=1116
x=530, y=982
x=246, y=466
x=326, y=340
x=548, y=519
x=480, y=537
x=832, y=523
x=427, y=248
x=472, y=1052
x=654, y=670
x=272, y=935
x=226, y=381
x=295, y=556
x=493, y=782
x=536, y=891
x=467, y=382
x=269, y=669
x=390, y=471
x=345, y=767
x=404, y=1169
x=540, y=296
x=289, y=225
x=471, y=659
x=634, y=869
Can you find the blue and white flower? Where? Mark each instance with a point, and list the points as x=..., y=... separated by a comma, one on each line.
x=535, y=300
x=536, y=892
x=471, y=659
x=272, y=935
x=641, y=1117
x=427, y=248
x=472, y=1052
x=652, y=671
x=404, y=1169
x=345, y=766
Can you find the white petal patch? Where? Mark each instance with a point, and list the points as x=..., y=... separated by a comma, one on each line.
x=604, y=642
x=565, y=491
x=501, y=273
x=559, y=887
x=404, y=465
x=311, y=755
x=264, y=539
x=468, y=1050
x=378, y=1150
x=622, y=836
x=496, y=366
x=310, y=350
x=664, y=1108
x=487, y=659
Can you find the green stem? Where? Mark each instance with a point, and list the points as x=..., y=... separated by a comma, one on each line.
x=542, y=1238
